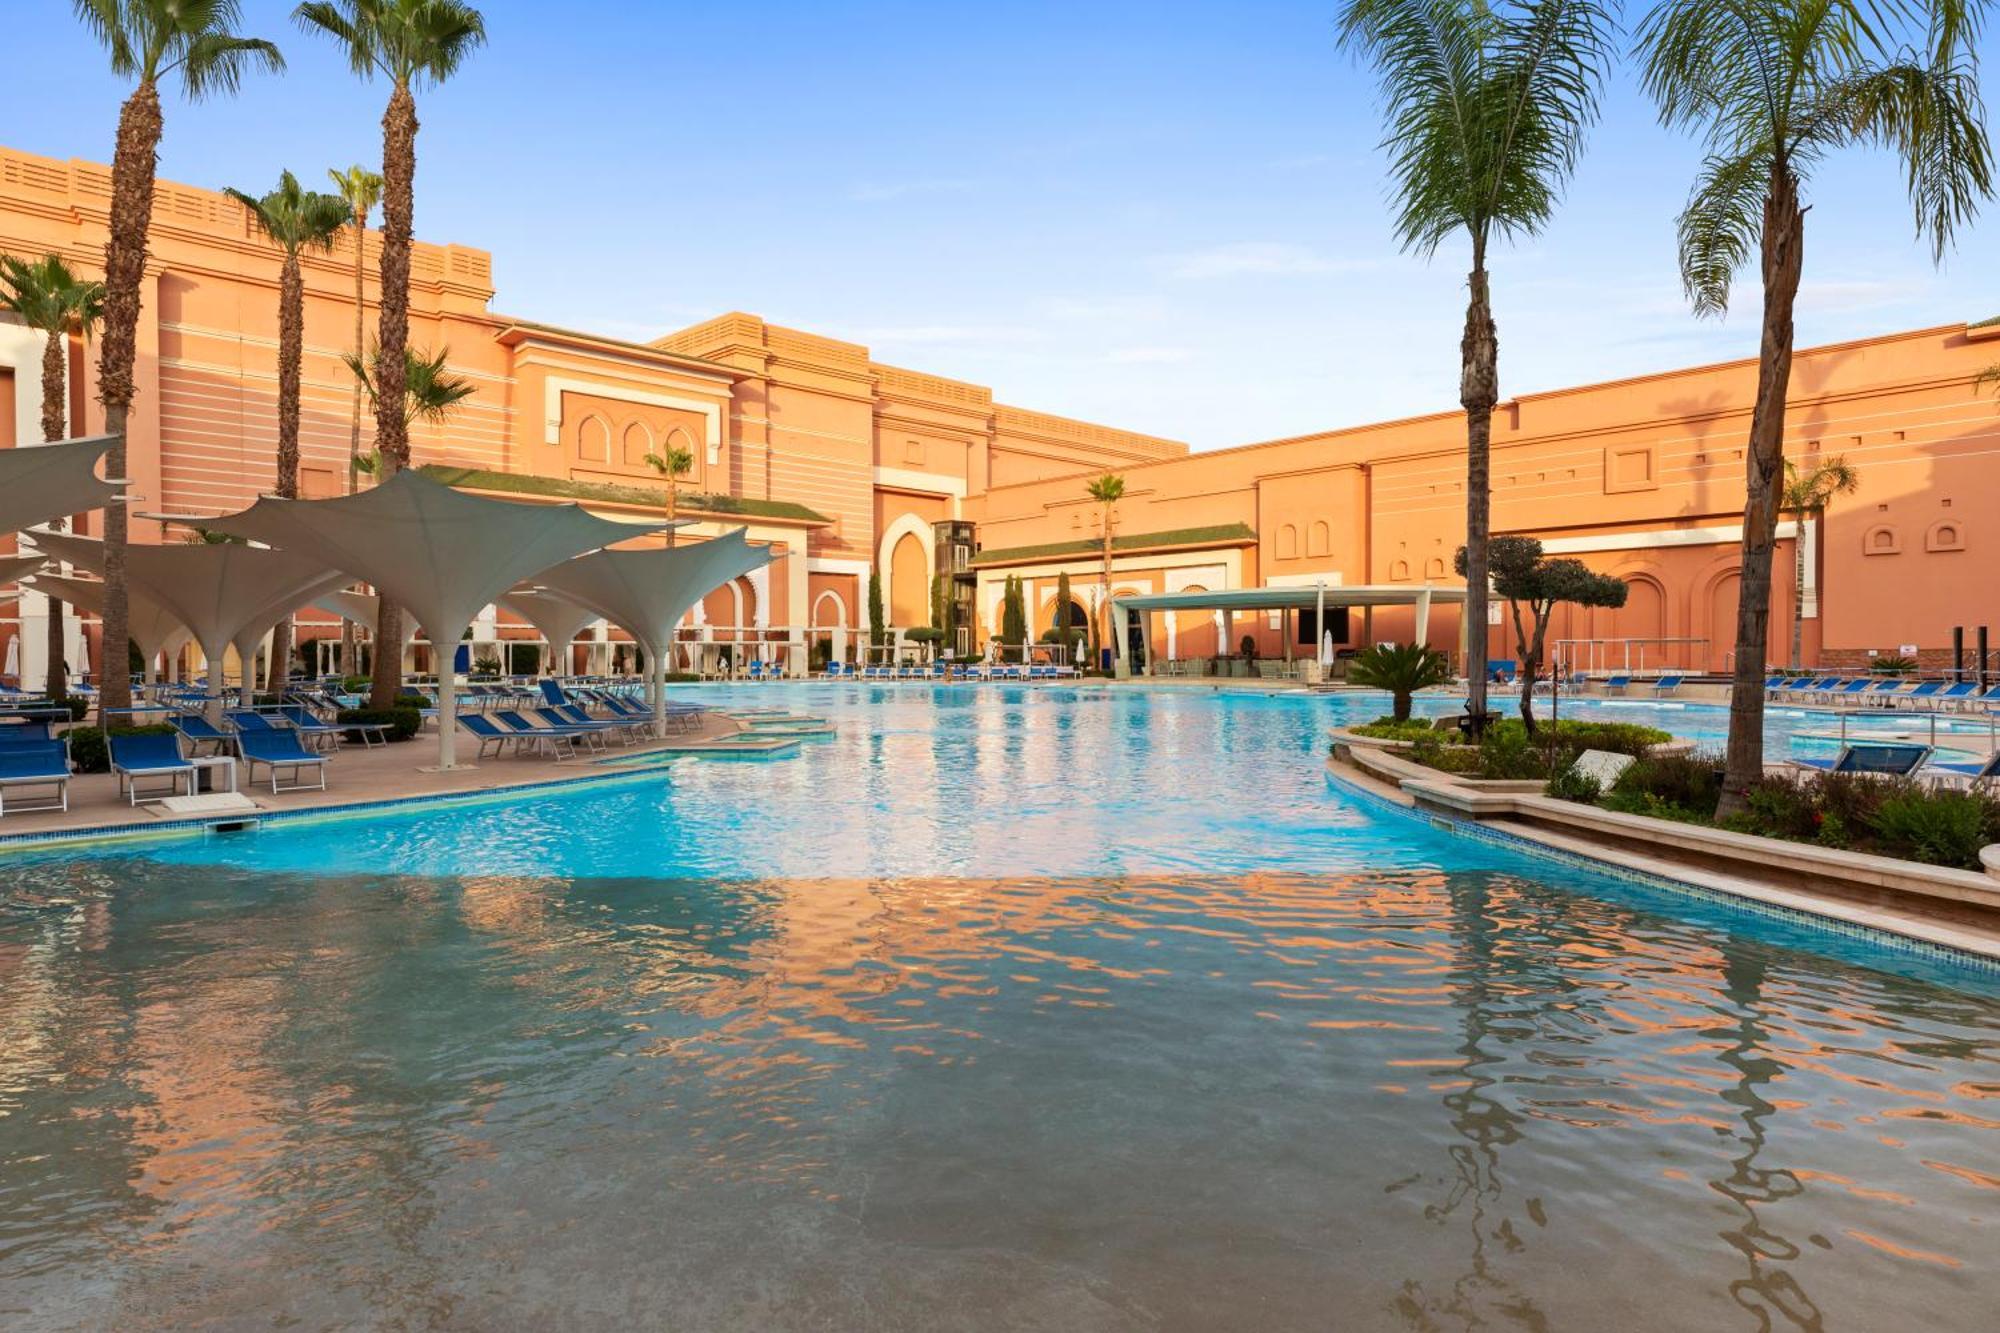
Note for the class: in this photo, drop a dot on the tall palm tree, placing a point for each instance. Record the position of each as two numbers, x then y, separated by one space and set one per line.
407 42
1486 105
1807 494
431 392
1774 87
296 220
362 189
149 41
1107 490
54 302
674 464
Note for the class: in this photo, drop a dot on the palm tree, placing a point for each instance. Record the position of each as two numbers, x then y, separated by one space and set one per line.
147 40
1774 87
431 392
295 220
408 42
1486 106
673 465
1807 494
362 189
54 302
1107 490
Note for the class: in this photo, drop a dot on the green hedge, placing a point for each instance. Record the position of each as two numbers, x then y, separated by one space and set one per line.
88 752
403 723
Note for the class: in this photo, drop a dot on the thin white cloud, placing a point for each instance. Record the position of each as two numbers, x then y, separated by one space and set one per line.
1260 259
875 192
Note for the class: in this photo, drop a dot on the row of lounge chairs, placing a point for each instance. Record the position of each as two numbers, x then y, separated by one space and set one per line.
1663 687
31 758
1883 692
939 671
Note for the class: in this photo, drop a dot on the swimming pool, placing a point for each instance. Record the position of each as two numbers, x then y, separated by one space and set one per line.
1053 1007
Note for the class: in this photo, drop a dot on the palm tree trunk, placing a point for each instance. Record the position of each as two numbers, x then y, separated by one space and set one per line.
133 163
1478 390
1784 254
354 416
1798 588
54 392
291 353
392 427
1104 598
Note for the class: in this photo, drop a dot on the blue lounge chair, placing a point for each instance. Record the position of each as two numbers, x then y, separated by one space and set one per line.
1854 686
560 741
552 693
609 726
138 757
1924 689
1616 684
318 732
279 749
1957 694
1891 761
493 738
43 763
198 731
1667 686
1969 771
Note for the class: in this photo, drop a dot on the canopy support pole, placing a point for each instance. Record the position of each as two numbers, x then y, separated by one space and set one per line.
448 714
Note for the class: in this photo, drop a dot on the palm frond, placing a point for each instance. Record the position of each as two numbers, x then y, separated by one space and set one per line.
1720 226
215 62
295 218
105 20
408 41
1931 116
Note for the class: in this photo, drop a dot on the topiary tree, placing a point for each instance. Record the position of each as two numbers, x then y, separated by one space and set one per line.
1013 613
878 631
1401 669
1525 578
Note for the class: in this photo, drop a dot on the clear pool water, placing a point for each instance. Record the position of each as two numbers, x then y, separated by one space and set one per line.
1022 1008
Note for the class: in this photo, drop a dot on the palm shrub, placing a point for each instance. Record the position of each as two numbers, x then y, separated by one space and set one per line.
1486 103
1402 670
1774 88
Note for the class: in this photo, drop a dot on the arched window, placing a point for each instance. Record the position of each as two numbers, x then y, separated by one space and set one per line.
1399 569
1319 538
1946 535
1288 541
635 444
1881 540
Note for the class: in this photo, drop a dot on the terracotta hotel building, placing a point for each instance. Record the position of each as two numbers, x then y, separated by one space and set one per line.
852 466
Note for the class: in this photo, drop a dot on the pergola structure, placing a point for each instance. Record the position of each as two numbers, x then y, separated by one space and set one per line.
647 593
1288 601
440 553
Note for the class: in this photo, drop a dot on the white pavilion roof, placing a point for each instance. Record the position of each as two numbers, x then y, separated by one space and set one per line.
153 626
41 482
647 592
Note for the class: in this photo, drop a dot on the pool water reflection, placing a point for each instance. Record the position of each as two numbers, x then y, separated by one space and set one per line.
1420 1083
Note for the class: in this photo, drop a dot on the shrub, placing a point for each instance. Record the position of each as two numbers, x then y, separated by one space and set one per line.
1573 785
1432 752
89 752
403 723
1507 753
1689 785
1389 729
79 706
924 634
1893 664
1945 828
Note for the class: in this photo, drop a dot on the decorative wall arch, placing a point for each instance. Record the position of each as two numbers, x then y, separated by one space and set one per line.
1287 541
908 525
593 439
1947 534
819 617
634 443
1881 539
1319 538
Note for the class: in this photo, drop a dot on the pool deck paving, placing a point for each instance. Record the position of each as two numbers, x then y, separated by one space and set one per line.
362 775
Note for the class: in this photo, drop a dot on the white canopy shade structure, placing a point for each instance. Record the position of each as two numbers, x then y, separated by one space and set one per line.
14 568
440 553
225 592
41 482
363 609
559 619
153 627
648 592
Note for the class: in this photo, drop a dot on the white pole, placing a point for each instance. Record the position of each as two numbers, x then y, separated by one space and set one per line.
656 686
448 710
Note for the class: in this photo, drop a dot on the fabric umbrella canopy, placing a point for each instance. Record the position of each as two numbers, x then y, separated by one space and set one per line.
648 592
363 609
558 618
439 552
153 627
14 568
40 482
224 592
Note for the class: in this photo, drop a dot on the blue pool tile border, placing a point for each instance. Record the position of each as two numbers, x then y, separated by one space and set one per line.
1729 902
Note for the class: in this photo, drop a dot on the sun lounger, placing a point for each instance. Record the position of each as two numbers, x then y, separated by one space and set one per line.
1924 690
1666 686
1894 761
493 738
134 758
1617 684
1956 695
280 749
42 763
317 732
559 740
1968 771
199 732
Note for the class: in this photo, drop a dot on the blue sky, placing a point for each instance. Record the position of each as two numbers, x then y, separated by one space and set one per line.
1164 217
